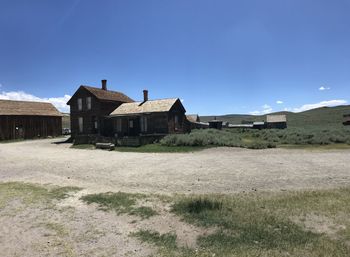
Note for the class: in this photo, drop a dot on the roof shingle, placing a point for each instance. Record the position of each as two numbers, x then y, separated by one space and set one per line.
10 107
162 105
108 95
276 118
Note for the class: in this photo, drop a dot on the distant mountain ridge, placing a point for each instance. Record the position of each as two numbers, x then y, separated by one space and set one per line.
323 116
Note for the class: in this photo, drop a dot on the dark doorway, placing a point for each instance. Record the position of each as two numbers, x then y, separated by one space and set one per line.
134 126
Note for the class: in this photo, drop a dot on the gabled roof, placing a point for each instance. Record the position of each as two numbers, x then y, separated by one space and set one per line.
105 95
276 118
162 105
10 107
193 117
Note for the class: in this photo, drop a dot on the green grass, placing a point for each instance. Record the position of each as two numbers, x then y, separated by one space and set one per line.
83 146
261 139
157 148
121 203
262 225
166 241
32 193
265 224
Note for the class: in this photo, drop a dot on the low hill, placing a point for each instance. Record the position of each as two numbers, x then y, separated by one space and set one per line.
324 116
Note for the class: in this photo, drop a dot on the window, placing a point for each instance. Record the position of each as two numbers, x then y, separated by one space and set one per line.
81 124
119 125
176 121
94 122
88 103
131 123
80 104
143 124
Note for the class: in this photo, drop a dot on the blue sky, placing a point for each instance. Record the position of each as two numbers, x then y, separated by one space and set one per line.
218 56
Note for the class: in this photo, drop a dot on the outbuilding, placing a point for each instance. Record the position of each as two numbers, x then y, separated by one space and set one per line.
27 120
276 121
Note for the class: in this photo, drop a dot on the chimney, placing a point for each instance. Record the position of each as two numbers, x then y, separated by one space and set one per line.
104 84
145 95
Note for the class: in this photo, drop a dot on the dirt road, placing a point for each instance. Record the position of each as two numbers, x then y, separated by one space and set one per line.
218 170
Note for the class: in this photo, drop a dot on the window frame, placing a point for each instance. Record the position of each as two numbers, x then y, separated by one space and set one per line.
144 124
88 102
80 104
81 124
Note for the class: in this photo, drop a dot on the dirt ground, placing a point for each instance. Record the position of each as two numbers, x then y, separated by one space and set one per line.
216 170
72 228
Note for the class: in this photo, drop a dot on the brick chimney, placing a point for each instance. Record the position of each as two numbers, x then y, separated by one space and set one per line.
145 95
104 84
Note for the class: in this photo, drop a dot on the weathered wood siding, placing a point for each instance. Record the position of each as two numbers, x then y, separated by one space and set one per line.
27 127
157 123
99 109
276 125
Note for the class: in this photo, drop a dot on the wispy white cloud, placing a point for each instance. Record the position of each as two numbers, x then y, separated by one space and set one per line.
329 103
322 88
279 102
265 109
58 102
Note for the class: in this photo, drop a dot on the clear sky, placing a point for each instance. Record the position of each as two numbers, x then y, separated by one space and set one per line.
218 56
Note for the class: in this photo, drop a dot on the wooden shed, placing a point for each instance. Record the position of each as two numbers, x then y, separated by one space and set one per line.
26 120
276 121
215 124
149 117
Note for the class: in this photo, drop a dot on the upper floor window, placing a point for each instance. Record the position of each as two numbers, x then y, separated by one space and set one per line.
80 104
88 103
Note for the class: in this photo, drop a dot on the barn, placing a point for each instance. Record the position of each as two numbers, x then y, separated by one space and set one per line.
149 117
27 120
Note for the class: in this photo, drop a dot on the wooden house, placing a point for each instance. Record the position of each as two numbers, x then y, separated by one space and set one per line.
90 105
193 118
195 122
27 120
149 117
276 121
215 124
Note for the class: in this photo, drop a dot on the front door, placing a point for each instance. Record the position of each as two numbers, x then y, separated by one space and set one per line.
133 126
19 132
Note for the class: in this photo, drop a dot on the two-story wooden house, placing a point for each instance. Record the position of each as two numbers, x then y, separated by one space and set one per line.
89 106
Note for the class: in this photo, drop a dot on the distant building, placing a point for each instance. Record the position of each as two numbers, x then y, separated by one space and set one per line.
195 122
259 125
215 124
276 121
27 120
193 118
346 119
